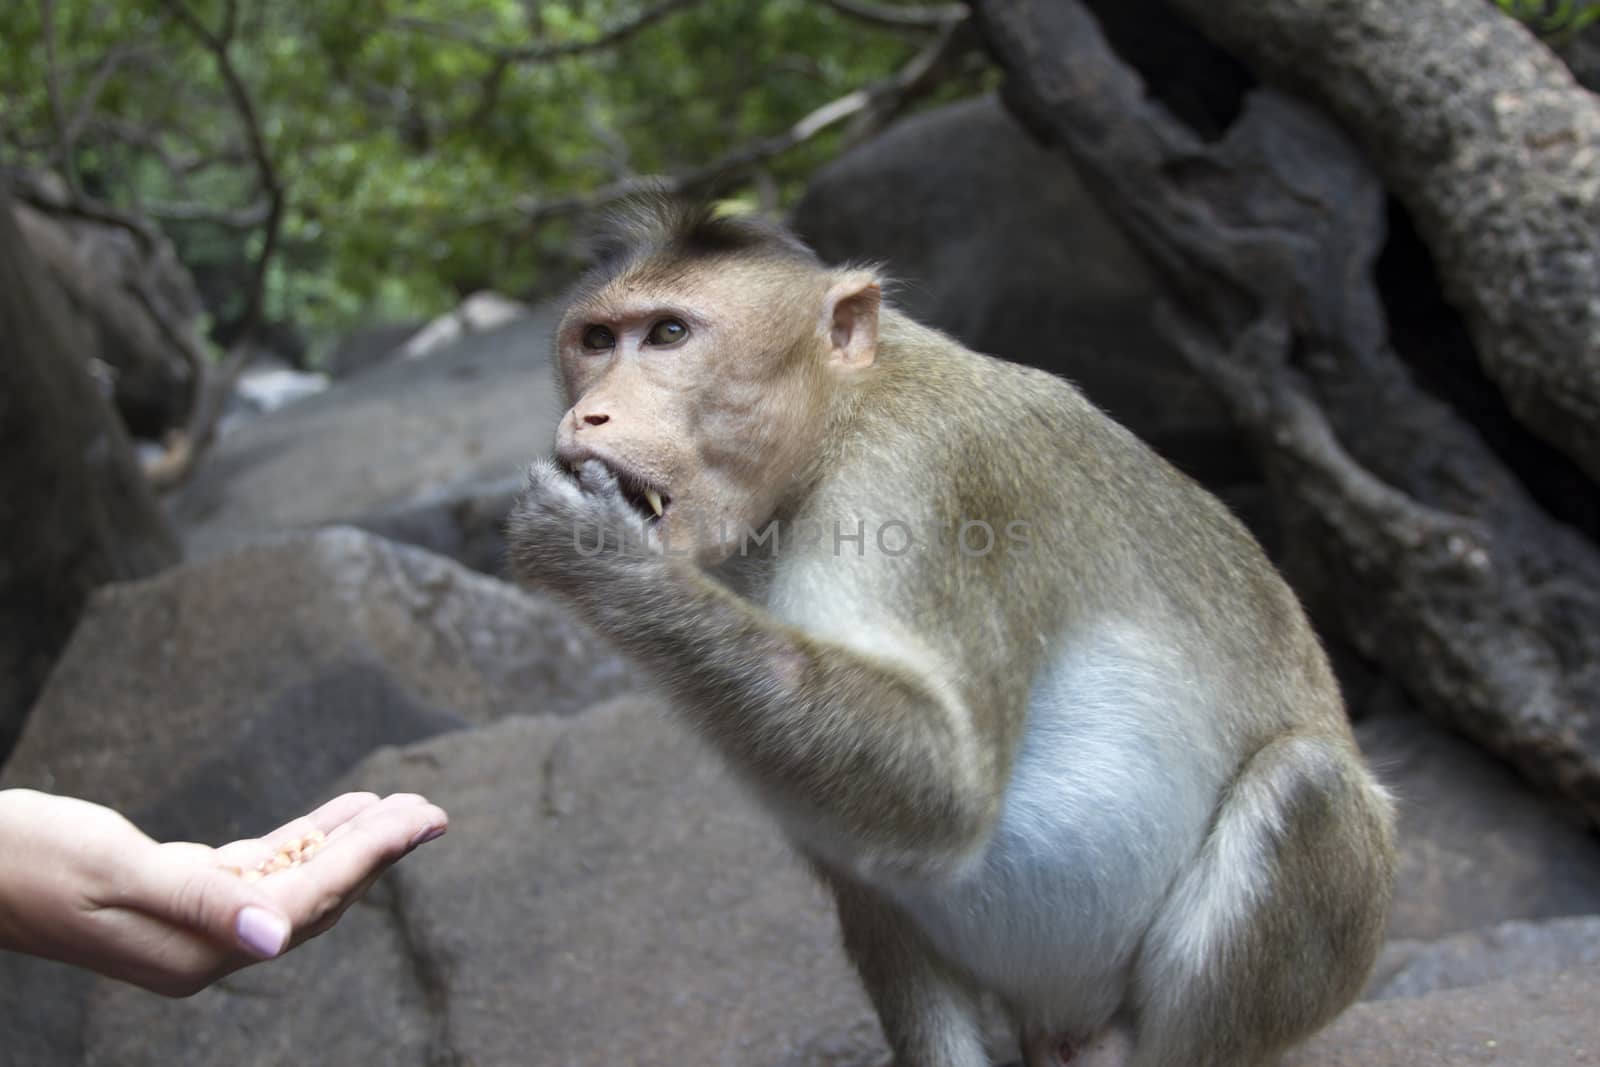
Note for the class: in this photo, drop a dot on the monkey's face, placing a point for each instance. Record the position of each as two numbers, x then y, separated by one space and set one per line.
701 391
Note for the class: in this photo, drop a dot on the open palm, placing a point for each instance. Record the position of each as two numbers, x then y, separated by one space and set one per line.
84 885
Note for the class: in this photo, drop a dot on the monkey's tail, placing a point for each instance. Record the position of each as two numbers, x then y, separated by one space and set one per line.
1274 927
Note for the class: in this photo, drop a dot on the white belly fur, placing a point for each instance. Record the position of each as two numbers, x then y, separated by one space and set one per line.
1109 797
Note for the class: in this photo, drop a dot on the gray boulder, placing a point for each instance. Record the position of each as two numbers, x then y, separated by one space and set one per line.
396 436
606 895
100 267
464 521
1512 949
1533 1021
368 347
1476 846
478 313
216 699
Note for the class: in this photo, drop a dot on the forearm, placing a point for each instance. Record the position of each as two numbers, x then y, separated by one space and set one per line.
16 869
49 872
861 742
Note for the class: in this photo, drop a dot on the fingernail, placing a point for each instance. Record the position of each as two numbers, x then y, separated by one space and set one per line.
426 835
262 932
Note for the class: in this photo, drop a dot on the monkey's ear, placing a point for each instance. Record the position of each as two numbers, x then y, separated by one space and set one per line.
850 315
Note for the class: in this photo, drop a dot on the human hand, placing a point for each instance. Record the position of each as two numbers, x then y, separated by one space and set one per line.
81 884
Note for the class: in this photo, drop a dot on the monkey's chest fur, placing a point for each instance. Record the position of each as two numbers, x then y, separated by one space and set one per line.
1105 805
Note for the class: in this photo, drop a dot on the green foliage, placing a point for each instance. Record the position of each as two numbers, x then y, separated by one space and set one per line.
405 156
1556 21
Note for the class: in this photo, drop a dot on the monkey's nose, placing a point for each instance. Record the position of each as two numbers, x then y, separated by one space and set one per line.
597 420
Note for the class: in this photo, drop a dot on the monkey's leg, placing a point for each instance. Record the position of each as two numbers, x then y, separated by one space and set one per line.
1273 929
930 1017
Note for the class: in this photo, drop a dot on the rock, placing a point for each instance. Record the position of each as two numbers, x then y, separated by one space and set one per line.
1476 847
267 385
219 698
98 267
606 895
994 240
368 347
1512 949
403 432
478 313
464 522
77 511
43 1007
354 996
1533 1021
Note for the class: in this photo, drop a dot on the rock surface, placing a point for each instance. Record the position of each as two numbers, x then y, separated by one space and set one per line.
605 895
464 521
1481 957
107 275
367 347
207 702
479 313
473 411
1535 1021
1476 847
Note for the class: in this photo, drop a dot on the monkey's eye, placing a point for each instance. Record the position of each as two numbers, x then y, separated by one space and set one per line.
667 332
598 337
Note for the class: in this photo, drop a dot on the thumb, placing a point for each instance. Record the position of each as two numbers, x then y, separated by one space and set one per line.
214 903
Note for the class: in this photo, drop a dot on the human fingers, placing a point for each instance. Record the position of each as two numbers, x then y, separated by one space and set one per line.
317 892
251 852
182 884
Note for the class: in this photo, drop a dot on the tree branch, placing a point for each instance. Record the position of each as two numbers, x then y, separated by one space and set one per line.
147 140
61 153
901 18
108 65
534 53
916 78
1484 135
266 172
29 189
245 218
186 447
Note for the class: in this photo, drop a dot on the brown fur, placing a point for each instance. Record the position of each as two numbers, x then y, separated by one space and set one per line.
886 744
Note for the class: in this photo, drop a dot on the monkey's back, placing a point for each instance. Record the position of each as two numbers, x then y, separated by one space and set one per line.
981 438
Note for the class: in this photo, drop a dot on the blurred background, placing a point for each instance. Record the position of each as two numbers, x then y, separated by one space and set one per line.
276 288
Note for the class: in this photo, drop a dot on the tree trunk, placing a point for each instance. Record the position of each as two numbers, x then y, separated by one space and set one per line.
76 512
1492 145
1411 535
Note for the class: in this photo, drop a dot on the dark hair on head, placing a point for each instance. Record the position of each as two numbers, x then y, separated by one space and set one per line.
657 223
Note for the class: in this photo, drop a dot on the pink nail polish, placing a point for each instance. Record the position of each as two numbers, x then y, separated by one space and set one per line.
261 932
426 835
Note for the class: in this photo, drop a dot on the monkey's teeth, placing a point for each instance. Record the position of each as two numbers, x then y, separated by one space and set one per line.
654 499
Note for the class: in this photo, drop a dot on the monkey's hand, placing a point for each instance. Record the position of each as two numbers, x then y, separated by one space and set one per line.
574 535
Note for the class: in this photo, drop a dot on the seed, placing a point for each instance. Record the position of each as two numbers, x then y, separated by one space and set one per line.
291 853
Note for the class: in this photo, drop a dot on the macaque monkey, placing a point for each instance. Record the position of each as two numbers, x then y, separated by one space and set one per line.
1034 704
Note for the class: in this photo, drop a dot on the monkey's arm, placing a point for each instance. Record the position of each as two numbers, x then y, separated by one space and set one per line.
887 763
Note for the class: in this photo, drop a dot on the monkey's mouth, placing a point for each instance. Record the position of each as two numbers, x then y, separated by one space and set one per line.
649 501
